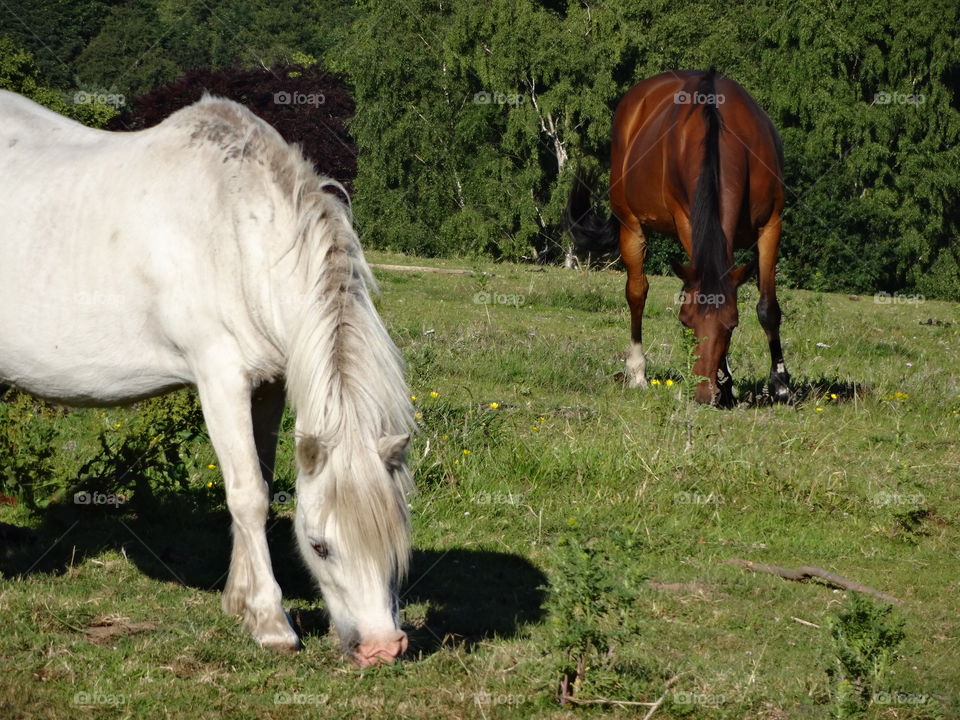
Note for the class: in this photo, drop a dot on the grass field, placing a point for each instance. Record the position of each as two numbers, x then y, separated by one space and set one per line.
565 526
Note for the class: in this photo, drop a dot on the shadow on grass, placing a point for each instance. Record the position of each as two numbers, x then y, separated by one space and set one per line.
470 595
754 392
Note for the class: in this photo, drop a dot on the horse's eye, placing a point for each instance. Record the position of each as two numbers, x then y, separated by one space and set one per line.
321 550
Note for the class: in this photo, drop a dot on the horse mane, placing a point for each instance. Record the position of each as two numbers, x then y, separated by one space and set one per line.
344 374
711 257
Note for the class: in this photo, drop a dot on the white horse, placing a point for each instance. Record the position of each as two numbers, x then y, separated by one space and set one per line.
206 251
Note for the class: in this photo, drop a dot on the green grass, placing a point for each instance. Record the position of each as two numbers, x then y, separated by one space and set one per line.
575 518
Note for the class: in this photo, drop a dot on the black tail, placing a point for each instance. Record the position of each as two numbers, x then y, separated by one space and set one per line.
710 256
590 231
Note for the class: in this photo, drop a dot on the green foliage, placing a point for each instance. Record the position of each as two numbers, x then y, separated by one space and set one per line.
867 638
27 431
153 452
142 45
591 603
147 457
19 73
864 96
471 117
466 133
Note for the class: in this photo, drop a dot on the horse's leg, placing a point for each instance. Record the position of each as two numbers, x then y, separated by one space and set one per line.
266 410
225 394
768 309
633 250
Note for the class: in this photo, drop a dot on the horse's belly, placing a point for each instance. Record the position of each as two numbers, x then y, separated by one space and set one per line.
76 370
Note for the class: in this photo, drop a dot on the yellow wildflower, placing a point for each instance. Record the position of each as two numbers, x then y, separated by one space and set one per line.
434 394
211 466
654 382
494 405
668 382
466 452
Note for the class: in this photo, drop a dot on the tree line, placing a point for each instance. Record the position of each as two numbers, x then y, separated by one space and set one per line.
470 118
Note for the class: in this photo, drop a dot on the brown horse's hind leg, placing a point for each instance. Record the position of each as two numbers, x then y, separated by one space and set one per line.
633 250
768 309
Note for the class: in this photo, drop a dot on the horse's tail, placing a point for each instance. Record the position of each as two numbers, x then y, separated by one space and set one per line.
710 255
591 232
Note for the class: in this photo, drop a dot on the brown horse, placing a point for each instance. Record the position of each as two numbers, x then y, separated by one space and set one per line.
695 157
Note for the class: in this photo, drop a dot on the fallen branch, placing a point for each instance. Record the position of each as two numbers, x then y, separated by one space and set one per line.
808 572
623 703
422 268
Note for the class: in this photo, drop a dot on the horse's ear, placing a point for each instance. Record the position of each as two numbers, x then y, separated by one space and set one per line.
684 272
311 454
393 450
741 274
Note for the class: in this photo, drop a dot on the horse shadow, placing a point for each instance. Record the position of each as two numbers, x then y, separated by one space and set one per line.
459 596
755 392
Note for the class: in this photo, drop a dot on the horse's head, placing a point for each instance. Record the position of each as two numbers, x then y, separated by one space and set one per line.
711 316
353 531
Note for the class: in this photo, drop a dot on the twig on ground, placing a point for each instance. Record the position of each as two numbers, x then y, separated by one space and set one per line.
808 572
564 699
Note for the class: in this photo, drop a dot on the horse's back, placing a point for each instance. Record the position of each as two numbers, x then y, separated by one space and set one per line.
119 250
658 133
24 122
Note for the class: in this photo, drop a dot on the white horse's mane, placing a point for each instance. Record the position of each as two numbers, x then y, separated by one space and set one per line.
344 374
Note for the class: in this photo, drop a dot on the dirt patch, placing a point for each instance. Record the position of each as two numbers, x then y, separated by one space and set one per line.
108 629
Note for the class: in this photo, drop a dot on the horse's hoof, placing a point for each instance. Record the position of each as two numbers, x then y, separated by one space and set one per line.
283 646
781 394
287 641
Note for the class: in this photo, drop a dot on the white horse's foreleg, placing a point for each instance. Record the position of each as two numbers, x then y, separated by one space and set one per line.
251 591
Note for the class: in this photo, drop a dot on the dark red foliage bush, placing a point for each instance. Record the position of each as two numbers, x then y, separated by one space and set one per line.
307 105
